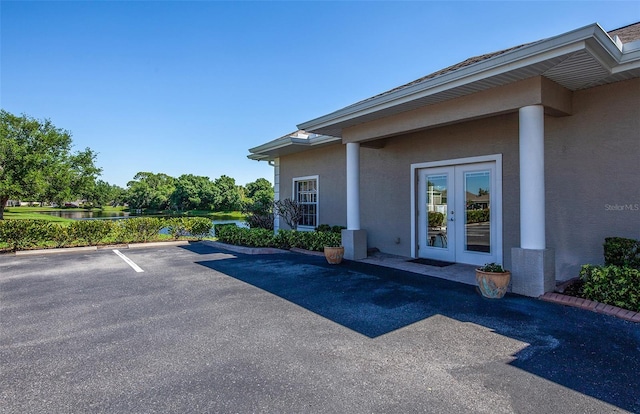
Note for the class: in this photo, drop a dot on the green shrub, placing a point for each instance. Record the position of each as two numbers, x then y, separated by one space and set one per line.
308 240
138 229
90 231
199 227
285 239
20 234
227 233
323 227
241 236
217 227
613 285
436 219
177 227
619 251
478 216
60 235
327 228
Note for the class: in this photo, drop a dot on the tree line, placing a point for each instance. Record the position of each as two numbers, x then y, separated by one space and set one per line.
192 192
37 164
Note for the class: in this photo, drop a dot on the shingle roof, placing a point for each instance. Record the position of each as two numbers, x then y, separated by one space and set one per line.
626 34
451 68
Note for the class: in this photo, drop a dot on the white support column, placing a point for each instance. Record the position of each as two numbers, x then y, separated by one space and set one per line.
353 186
276 194
533 265
354 239
532 199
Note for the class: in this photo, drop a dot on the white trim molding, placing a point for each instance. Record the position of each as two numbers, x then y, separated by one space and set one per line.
294 196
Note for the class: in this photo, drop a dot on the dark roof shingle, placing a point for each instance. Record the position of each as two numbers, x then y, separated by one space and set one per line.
626 34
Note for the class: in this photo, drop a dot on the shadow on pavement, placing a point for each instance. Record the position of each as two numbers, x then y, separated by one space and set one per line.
591 353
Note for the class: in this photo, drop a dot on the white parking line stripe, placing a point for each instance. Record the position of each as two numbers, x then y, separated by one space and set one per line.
129 261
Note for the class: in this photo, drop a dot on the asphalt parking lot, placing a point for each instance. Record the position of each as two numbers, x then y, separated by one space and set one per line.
199 330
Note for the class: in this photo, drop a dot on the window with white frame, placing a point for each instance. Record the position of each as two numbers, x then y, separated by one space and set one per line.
305 191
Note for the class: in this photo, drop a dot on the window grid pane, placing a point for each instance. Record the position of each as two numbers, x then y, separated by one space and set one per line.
307 197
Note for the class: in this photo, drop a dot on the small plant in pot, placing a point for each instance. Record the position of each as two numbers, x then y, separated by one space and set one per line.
333 249
492 280
334 254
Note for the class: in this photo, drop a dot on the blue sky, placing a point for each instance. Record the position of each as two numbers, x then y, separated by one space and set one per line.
189 87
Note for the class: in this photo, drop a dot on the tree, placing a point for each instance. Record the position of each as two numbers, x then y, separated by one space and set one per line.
103 193
149 190
257 185
260 191
36 162
74 177
290 211
83 173
258 204
229 198
194 192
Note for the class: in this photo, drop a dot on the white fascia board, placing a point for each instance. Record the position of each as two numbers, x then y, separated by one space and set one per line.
526 55
630 57
258 157
271 145
267 151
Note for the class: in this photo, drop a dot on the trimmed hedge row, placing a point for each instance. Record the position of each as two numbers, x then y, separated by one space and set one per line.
284 239
613 285
616 283
619 251
478 216
24 234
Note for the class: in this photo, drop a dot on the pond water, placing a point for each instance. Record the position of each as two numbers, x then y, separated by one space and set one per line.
114 215
83 215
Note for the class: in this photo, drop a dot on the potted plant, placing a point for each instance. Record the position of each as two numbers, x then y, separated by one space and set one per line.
334 254
492 280
330 238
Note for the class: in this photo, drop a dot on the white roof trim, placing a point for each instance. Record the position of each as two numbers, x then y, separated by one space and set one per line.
296 142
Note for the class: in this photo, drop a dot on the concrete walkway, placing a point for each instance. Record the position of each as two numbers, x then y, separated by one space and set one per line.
457 272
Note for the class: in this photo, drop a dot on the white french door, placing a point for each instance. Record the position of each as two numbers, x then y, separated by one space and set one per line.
459 213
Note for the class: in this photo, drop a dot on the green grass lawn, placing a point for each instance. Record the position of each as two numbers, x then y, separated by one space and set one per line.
31 213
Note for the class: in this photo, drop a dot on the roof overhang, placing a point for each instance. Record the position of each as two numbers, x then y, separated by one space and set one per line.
290 144
579 59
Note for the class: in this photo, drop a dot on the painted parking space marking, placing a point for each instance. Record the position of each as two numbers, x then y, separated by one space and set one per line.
129 261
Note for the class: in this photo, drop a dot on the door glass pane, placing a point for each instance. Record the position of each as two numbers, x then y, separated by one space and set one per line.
477 187
437 210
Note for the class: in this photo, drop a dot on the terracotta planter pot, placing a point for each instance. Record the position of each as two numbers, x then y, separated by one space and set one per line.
493 285
334 254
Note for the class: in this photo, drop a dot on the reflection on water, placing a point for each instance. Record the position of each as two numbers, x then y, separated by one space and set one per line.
114 215
84 215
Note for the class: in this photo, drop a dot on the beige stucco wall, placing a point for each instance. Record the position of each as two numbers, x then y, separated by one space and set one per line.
386 176
329 164
592 165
